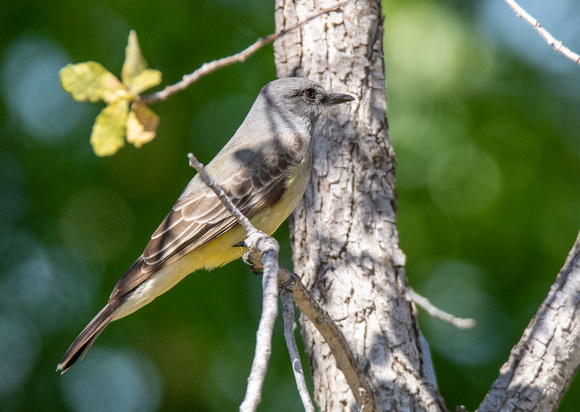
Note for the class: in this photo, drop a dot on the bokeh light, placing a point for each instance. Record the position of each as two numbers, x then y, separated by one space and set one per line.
113 380
49 286
19 346
460 288
30 85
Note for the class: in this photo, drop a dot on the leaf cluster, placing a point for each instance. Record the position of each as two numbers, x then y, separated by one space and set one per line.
125 118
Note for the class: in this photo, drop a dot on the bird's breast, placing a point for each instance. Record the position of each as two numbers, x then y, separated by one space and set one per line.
270 218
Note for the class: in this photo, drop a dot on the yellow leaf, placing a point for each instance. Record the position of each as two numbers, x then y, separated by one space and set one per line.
108 134
147 79
135 74
90 81
141 124
134 63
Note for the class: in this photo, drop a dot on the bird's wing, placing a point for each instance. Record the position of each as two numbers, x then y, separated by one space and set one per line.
199 217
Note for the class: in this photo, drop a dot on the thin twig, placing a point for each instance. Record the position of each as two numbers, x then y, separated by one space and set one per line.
556 44
431 309
353 374
214 65
289 326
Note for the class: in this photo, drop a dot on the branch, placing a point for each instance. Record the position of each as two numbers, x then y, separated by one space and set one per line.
265 329
543 363
431 309
289 326
268 249
354 376
556 44
207 68
263 250
434 311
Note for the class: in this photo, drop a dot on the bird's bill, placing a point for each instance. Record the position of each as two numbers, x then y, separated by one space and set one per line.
337 98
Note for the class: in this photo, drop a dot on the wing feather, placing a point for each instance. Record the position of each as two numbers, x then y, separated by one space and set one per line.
258 180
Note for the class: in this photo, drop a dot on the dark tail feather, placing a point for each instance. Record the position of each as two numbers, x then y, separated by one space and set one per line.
87 337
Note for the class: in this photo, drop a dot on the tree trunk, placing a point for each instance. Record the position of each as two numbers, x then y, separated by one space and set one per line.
344 236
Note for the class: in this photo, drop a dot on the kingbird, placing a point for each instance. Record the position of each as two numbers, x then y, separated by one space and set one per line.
263 169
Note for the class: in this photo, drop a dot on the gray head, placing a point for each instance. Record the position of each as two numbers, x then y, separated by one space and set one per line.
290 103
304 98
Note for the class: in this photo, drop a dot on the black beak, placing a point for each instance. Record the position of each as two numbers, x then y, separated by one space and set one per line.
337 98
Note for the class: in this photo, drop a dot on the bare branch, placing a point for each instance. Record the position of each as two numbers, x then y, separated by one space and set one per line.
289 326
543 363
556 44
214 65
431 309
354 376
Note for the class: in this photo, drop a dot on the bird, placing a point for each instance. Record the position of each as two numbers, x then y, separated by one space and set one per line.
263 169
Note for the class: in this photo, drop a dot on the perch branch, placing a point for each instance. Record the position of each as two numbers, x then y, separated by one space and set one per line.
265 329
268 249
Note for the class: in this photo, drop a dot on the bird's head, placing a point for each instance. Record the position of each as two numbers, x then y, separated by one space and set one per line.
301 97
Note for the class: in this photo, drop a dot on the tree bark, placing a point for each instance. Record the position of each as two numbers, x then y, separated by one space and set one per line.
344 236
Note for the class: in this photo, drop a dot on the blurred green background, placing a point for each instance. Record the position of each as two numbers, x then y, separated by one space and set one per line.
484 118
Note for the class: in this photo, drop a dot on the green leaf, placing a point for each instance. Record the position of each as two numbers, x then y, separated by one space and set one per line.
142 124
108 134
90 81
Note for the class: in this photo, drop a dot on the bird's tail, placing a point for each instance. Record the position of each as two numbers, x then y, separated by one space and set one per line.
87 337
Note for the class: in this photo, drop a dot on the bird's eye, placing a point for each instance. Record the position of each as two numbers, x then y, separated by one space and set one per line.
310 94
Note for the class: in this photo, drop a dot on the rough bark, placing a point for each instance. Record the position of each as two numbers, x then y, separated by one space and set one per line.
543 363
344 235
